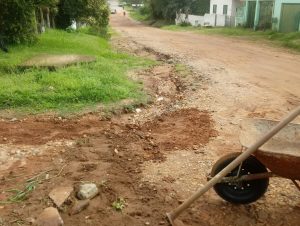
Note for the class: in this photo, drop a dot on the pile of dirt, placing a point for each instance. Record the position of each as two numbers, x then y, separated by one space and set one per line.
112 158
40 130
181 129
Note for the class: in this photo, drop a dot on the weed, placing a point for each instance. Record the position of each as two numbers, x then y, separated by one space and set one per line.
30 186
182 70
119 204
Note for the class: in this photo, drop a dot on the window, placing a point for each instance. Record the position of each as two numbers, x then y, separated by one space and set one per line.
214 9
225 9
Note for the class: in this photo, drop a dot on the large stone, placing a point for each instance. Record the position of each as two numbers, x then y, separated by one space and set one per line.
87 191
49 217
60 194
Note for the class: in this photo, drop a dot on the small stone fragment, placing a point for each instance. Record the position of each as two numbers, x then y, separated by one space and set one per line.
30 220
87 191
60 194
160 99
49 217
79 206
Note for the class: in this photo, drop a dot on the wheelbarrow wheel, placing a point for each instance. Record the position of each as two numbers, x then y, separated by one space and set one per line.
242 192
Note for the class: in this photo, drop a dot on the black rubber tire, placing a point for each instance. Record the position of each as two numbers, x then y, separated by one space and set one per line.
247 191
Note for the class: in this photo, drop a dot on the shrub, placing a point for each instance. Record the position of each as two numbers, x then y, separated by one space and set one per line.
94 13
17 21
185 24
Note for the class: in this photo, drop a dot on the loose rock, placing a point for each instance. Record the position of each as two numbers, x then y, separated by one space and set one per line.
30 220
79 206
60 194
87 191
49 217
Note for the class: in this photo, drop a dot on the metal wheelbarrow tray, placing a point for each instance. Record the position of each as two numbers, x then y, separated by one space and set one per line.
281 154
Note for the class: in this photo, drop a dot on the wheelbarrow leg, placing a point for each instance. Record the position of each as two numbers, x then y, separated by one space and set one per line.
176 212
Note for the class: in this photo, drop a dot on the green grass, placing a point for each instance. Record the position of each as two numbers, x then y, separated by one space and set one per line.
182 70
72 88
136 14
145 18
290 40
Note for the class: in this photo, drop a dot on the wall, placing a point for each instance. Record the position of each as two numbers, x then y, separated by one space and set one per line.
233 5
277 11
220 3
194 20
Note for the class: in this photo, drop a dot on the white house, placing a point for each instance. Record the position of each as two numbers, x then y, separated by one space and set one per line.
224 11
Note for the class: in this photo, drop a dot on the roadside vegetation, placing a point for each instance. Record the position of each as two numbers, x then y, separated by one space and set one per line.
29 29
163 12
140 15
71 88
152 13
289 40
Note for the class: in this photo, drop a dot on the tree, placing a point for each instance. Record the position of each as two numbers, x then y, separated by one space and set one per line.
46 8
20 20
17 21
92 12
167 9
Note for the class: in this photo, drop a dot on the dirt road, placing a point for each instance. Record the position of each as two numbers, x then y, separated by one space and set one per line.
238 79
157 155
225 60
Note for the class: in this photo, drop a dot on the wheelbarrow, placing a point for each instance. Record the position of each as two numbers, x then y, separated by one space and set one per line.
270 149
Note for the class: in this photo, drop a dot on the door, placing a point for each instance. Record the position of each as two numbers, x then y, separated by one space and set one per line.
265 14
290 17
251 14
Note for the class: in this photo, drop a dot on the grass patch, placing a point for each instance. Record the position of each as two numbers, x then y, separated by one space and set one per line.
136 14
290 40
71 88
182 70
141 15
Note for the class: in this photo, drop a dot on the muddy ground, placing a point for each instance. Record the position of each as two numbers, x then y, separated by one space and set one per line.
157 155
